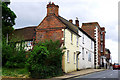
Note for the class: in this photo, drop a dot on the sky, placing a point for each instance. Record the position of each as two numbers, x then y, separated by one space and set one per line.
105 12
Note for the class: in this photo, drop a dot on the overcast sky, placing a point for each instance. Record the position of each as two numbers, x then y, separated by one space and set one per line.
105 12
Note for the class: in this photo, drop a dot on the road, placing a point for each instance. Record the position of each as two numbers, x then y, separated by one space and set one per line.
103 75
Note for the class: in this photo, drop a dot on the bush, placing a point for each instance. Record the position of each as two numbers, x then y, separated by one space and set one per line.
45 60
12 57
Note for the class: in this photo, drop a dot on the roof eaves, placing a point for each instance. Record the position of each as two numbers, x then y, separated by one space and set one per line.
67 25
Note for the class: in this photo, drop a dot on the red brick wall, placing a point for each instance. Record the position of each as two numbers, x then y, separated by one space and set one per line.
103 32
89 28
52 9
50 29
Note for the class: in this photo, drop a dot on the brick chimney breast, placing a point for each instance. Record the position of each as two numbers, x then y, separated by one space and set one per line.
52 9
77 22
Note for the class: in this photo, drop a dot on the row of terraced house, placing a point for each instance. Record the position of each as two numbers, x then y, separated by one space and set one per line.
85 45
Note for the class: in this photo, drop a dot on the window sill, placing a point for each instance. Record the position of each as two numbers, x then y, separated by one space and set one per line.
68 61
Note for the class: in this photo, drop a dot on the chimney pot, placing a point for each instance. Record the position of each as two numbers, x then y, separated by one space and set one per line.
71 20
52 9
52 2
77 22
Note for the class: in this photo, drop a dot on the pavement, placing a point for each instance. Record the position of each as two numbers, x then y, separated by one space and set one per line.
65 76
75 74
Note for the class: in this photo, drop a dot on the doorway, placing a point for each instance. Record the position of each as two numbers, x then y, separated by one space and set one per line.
77 60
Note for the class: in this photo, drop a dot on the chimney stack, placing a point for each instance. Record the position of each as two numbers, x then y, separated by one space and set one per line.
77 22
71 20
52 9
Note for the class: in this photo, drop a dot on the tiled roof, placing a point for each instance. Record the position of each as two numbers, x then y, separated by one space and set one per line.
72 27
69 25
26 33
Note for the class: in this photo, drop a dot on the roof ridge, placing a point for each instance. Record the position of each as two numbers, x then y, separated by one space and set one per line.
68 21
26 27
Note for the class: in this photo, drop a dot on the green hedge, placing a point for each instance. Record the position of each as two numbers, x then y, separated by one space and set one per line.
45 60
12 57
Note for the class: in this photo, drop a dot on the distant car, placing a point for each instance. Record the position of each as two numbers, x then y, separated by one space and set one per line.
116 66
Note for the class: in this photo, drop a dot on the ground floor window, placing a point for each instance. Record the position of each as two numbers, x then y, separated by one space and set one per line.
74 57
89 57
67 55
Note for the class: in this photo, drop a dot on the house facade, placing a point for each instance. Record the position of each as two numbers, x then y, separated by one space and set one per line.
25 35
98 33
54 27
85 46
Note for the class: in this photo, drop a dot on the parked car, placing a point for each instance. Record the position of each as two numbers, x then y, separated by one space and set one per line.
116 66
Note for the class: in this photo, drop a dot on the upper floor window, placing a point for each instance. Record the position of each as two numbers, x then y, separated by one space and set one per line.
83 39
101 36
91 44
77 40
71 37
101 47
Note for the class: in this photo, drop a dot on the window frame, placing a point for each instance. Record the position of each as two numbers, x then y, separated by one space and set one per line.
68 56
74 58
71 38
77 41
83 39
83 54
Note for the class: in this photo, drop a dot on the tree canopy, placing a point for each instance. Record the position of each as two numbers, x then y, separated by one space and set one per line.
8 19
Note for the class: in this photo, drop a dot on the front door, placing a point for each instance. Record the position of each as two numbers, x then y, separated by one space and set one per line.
77 60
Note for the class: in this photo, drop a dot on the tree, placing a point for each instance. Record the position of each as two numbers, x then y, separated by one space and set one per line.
8 19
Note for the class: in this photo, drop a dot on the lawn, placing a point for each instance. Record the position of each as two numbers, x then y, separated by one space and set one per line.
18 73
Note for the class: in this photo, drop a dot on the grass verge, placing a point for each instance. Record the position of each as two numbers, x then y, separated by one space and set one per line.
18 73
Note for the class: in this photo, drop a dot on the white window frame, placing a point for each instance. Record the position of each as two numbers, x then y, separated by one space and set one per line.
77 41
89 56
71 38
83 53
83 39
91 44
68 55
74 58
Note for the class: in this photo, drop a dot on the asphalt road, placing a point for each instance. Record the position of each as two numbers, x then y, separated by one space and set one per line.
103 75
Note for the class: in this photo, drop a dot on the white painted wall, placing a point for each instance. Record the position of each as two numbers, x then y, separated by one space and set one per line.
73 48
88 49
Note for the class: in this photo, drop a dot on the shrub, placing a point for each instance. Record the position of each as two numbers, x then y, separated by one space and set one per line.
12 57
45 60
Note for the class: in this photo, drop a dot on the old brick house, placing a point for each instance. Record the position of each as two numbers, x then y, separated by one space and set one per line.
98 33
80 46
25 35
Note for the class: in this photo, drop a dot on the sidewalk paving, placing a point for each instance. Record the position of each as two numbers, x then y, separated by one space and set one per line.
75 74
